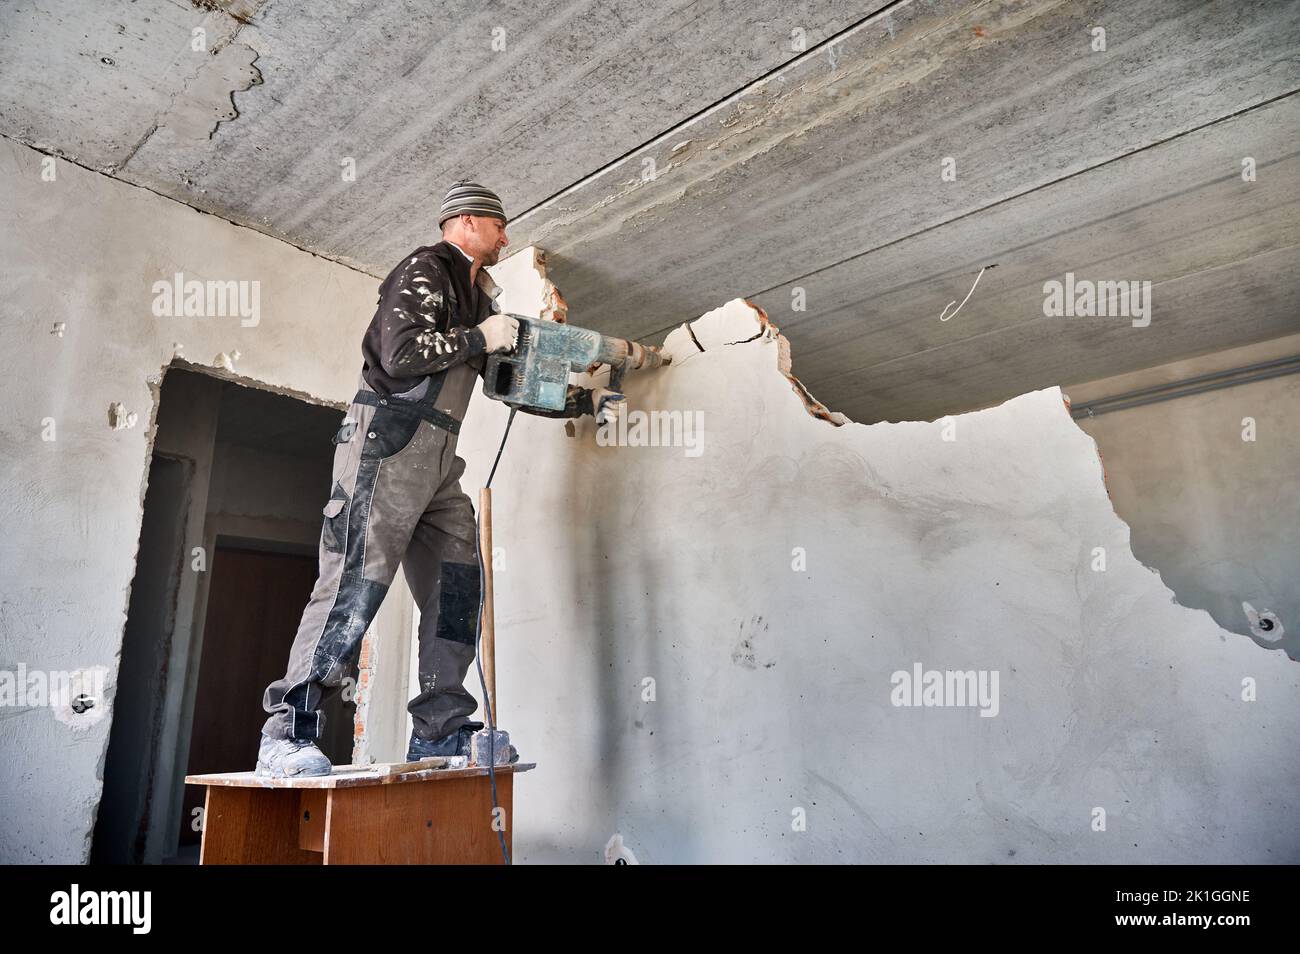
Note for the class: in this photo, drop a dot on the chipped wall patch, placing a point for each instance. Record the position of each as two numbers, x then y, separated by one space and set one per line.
77 698
119 419
617 853
81 701
1265 624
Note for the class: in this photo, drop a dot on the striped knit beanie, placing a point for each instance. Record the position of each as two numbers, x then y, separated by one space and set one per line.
470 198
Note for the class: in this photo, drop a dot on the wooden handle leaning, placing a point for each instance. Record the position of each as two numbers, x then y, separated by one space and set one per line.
489 631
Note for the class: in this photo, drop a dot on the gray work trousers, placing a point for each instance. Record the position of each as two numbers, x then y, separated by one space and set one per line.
396 499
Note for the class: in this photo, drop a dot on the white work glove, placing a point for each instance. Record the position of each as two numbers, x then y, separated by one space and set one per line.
500 332
607 405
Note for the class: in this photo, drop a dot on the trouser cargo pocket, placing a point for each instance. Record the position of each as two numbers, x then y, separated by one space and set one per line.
336 520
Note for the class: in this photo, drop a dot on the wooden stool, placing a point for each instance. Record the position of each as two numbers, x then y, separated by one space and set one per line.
358 815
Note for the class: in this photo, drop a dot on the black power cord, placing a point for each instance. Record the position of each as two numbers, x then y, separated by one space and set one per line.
478 645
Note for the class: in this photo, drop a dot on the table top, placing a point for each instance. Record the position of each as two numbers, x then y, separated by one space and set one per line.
353 776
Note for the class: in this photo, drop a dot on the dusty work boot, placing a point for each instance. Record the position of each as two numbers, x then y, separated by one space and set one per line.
290 758
453 743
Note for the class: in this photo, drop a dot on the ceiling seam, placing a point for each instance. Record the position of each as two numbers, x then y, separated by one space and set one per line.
739 91
162 195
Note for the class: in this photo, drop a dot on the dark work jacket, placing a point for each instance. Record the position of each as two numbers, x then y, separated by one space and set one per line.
426 323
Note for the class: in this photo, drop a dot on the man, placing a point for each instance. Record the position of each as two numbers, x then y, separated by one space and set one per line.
396 493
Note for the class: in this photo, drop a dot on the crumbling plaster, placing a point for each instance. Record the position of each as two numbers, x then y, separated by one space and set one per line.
698 650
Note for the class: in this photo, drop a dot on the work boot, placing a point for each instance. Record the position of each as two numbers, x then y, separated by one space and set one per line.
290 758
453 743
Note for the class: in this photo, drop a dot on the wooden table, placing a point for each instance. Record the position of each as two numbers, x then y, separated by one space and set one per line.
357 815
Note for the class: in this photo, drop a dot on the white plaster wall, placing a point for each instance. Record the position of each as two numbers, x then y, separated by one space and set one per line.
85 250
773 685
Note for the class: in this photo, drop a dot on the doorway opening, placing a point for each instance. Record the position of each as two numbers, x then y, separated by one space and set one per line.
227 560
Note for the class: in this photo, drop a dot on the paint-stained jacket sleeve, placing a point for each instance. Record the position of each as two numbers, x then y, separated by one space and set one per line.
415 337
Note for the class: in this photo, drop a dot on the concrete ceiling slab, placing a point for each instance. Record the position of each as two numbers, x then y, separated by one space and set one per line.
526 96
1177 215
670 158
91 80
818 167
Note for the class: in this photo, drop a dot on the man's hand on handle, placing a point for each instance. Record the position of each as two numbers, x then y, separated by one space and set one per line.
607 405
500 332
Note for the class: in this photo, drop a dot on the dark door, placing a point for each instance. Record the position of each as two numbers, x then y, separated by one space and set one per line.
255 601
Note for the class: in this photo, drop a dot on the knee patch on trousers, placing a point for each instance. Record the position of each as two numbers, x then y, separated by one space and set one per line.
458 603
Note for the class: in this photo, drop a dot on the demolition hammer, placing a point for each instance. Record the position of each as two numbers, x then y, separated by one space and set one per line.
536 372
